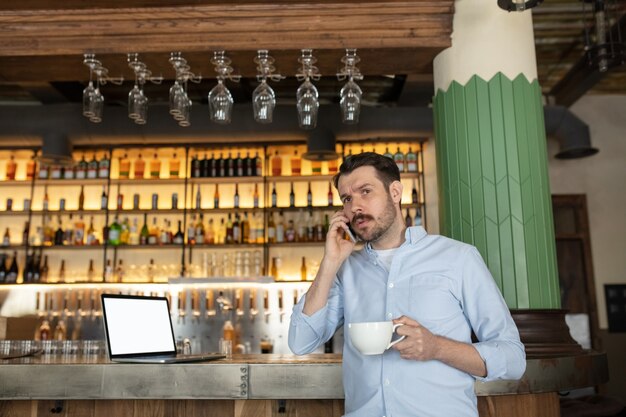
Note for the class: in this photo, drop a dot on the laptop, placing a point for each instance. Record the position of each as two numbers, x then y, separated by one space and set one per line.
139 330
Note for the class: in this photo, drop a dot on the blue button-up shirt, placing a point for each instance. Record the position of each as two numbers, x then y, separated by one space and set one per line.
445 286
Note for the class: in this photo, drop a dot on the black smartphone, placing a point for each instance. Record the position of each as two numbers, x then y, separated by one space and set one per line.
351 234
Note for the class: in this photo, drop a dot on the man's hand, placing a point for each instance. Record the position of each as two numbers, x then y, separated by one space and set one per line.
420 344
337 249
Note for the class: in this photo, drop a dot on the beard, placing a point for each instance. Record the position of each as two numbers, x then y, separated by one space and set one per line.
381 224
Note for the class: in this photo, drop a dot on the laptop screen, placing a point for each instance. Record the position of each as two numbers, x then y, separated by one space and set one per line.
137 325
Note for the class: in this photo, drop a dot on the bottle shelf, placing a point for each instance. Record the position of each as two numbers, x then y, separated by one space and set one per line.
74 181
14 213
67 247
227 180
16 183
148 181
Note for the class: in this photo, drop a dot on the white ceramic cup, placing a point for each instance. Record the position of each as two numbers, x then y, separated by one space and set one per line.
373 338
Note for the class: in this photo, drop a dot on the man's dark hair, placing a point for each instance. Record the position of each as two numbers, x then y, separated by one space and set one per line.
386 169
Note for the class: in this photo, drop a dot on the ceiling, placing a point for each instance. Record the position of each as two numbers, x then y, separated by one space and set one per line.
41 49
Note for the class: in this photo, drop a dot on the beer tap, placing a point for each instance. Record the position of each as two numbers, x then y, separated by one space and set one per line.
209 304
195 304
295 297
280 305
96 304
54 304
266 305
66 305
238 301
41 312
224 303
169 302
79 304
182 305
253 309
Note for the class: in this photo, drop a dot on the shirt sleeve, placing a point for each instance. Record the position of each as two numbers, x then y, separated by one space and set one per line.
307 333
499 343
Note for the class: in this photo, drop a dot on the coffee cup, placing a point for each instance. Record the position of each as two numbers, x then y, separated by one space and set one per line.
373 338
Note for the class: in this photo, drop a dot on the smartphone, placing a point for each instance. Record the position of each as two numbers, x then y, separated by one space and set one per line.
351 234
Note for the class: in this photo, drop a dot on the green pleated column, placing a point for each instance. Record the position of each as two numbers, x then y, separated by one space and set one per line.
493 183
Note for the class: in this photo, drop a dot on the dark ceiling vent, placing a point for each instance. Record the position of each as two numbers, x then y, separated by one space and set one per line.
571 132
321 145
56 149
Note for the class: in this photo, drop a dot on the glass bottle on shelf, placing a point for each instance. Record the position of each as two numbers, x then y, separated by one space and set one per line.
124 170
303 271
310 227
3 268
408 219
309 197
229 230
103 198
91 272
6 239
58 234
104 166
68 233
220 164
292 197
61 277
144 235
43 274
44 171
91 234
274 271
69 172
46 199
330 195
55 172
174 166
414 194
290 231
387 153
79 231
236 197
212 168
418 216
271 229
81 198
125 232
316 167
120 201
411 161
133 233
114 233
333 166
11 274
153 237
398 158
216 197
25 233
258 164
155 167
296 163
30 168
255 196
140 167
108 272
191 230
195 167
151 270
119 271
274 196
230 165
11 168
239 168
260 230
209 235
280 228
81 168
199 232
92 168
245 228
179 238
237 229
277 165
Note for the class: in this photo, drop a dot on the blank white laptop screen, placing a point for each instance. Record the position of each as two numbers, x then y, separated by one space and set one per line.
138 326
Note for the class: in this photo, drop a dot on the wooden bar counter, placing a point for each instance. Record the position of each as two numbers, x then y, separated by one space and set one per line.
247 386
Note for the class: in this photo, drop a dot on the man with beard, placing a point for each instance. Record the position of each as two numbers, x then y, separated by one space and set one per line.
439 288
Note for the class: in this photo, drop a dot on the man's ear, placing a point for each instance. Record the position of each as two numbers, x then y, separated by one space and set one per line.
395 190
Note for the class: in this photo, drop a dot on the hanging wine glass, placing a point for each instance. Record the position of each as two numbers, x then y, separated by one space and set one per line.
88 92
350 102
96 106
263 103
93 101
220 103
307 105
134 98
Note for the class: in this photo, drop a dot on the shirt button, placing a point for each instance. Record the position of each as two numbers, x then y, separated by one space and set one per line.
391 285
387 382
389 315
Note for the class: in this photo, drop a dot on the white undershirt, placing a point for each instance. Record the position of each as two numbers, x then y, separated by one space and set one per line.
385 256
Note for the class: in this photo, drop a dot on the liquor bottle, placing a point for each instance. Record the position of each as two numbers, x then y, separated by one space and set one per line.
155 167
145 233
296 164
11 276
30 168
3 268
277 165
274 269
236 198
333 166
81 168
274 196
237 229
48 232
255 196
104 166
320 234
46 199
151 270
133 233
290 232
25 233
91 272
292 197
191 231
198 199
205 168
91 234
68 233
280 228
414 194
213 166
153 237
43 171
6 239
411 161
179 237
303 272
55 172
230 165
199 232
81 198
310 228
70 172
165 233
43 275
418 216
114 233
260 229
309 197
120 201
125 232
229 230
92 168
387 153
330 195
27 272
58 235
119 272
62 271
216 197
124 170
316 167
140 166
271 229
258 165
11 168
301 231
239 168
108 272
245 228
195 167
248 166
209 235
221 166
398 158
174 167
408 219
79 231
103 198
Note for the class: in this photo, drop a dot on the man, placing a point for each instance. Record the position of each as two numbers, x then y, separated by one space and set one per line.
440 289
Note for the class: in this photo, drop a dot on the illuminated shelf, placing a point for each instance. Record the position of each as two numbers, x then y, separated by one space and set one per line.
148 181
226 180
14 213
74 182
15 183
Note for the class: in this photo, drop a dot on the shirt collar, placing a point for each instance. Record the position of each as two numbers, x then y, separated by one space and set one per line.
412 236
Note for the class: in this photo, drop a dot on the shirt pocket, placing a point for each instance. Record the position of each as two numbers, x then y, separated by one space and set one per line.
432 301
